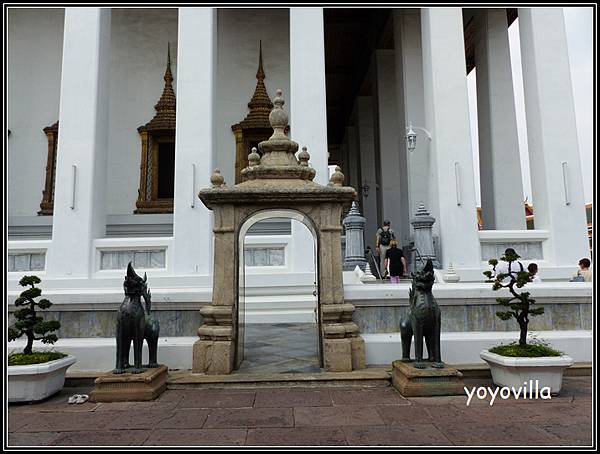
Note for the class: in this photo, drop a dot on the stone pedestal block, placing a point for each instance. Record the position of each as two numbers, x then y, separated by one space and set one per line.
357 346
213 357
413 382
130 387
337 355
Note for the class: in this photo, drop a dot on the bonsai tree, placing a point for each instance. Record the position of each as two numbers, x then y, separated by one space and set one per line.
519 304
28 323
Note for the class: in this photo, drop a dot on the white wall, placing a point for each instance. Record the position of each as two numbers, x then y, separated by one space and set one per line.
35 39
138 61
239 32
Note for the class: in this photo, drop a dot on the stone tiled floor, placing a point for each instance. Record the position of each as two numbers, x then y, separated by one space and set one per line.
376 416
280 348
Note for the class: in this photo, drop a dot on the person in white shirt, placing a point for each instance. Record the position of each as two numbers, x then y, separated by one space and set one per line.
512 268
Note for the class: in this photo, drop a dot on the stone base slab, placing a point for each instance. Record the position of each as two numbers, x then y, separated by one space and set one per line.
337 355
213 357
413 382
130 387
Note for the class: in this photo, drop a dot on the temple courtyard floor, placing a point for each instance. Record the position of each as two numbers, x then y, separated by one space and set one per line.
357 416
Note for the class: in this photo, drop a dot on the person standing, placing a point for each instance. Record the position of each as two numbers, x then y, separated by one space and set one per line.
383 238
395 262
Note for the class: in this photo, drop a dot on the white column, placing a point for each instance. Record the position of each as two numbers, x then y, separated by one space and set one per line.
447 117
391 146
192 221
79 198
308 112
499 162
409 83
556 178
366 142
352 170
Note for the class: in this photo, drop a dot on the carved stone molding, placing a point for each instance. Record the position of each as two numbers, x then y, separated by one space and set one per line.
47 203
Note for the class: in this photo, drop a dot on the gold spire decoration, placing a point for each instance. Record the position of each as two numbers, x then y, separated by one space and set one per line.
165 107
260 105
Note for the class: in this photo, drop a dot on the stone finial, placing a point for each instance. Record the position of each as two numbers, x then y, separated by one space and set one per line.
278 117
354 209
337 178
304 157
451 275
217 179
164 119
368 276
253 158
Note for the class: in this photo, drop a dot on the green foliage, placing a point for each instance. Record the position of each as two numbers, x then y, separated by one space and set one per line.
29 280
504 315
44 304
27 322
31 293
504 301
45 327
530 350
13 334
520 303
21 359
20 301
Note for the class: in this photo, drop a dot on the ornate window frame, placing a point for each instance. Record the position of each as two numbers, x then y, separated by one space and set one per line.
47 203
159 130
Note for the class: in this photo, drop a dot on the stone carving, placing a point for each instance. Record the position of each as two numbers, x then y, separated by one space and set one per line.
422 224
151 333
451 275
423 320
279 181
132 325
354 224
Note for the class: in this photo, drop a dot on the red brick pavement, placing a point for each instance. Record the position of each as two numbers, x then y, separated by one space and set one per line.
308 417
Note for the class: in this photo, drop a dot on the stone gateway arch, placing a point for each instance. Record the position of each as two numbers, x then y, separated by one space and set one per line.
276 180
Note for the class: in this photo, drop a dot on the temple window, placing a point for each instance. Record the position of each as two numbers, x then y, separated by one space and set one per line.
157 167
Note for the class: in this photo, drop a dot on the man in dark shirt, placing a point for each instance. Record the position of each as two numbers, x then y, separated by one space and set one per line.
395 262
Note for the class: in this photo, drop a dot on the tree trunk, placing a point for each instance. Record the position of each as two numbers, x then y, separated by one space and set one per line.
523 322
29 346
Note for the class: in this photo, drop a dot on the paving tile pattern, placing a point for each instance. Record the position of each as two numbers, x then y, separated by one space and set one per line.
307 417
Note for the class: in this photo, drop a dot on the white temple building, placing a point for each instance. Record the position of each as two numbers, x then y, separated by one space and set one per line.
117 118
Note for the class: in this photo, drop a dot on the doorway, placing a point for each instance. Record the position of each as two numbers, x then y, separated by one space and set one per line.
278 316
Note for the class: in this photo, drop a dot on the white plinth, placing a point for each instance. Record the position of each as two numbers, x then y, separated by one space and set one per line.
37 381
513 372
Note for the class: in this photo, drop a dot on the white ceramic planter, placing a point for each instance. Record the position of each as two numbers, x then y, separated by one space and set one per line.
37 381
511 371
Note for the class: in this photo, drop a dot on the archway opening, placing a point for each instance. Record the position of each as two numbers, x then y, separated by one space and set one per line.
278 329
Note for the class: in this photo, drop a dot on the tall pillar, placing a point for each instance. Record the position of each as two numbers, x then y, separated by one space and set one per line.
391 146
409 83
352 169
366 142
447 117
194 143
499 160
556 178
79 198
308 119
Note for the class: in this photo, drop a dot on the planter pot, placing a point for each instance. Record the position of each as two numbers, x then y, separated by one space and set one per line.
512 371
37 381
